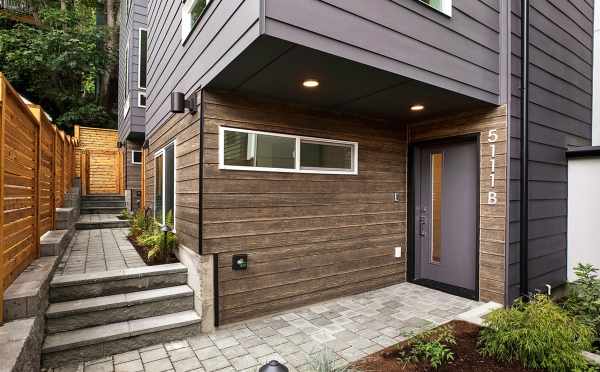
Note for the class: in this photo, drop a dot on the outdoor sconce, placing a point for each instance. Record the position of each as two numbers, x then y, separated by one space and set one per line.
273 366
119 144
146 144
179 104
239 262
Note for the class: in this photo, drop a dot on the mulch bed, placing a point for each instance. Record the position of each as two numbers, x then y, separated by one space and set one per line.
143 252
466 356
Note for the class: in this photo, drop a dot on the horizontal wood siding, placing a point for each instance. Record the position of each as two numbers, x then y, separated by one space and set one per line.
492 218
185 130
561 36
226 28
308 236
458 53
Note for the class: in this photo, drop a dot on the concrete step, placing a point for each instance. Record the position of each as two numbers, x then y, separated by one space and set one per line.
72 315
98 342
115 224
103 197
89 285
100 210
102 203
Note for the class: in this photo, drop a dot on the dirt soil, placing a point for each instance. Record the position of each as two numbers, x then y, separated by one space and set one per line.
143 252
466 356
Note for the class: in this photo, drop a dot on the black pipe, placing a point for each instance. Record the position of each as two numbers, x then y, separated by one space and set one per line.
524 185
201 174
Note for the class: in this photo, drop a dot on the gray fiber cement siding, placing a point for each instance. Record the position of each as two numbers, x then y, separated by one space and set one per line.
459 53
132 20
561 35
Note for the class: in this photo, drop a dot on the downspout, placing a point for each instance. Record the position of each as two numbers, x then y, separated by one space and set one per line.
524 185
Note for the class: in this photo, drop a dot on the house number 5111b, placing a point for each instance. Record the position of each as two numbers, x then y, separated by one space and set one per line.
492 139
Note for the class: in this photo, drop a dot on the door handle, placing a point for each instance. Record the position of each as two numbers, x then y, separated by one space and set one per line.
422 226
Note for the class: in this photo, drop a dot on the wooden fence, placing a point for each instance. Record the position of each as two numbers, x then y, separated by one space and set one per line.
36 161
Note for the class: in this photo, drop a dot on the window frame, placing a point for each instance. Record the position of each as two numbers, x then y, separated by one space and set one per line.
446 7
140 94
298 141
186 30
140 30
127 104
133 156
158 153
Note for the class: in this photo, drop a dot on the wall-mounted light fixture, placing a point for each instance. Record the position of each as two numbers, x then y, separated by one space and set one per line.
417 108
179 104
119 144
146 144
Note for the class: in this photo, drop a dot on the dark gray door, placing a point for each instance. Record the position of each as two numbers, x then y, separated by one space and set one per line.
446 209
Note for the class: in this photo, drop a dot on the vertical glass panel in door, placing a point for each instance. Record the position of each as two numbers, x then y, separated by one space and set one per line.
170 184
158 188
437 163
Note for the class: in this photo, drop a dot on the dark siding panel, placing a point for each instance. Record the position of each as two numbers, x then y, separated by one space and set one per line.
460 53
226 27
560 116
134 120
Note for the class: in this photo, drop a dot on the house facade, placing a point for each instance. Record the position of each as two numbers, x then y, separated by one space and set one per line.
317 148
132 94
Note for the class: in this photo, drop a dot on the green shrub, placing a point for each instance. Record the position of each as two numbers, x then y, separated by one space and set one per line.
146 232
538 334
432 346
583 300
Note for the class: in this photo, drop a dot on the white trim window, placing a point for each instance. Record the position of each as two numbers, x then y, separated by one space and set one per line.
136 157
444 6
241 149
142 99
127 103
192 11
165 185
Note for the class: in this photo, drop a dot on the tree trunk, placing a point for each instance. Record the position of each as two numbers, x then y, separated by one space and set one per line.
106 98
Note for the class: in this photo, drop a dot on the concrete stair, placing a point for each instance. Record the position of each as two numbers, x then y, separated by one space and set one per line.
102 204
95 315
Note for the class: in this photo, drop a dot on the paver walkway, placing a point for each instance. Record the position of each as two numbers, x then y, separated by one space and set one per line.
99 250
350 327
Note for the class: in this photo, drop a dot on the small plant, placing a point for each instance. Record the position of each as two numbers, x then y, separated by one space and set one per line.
538 334
146 232
125 215
583 300
432 346
325 361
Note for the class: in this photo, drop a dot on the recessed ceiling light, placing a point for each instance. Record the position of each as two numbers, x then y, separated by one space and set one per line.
417 108
310 83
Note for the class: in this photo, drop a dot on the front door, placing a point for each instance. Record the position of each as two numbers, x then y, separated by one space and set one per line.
446 194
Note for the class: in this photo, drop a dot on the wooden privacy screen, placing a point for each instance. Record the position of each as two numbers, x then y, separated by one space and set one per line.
102 171
36 163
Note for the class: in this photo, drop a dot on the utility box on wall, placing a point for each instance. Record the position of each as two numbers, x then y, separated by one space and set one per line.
583 244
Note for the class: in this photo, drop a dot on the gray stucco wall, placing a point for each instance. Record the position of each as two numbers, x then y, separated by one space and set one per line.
132 20
560 116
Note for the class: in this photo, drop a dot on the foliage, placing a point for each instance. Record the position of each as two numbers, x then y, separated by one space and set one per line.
538 334
583 300
146 231
325 361
431 346
58 63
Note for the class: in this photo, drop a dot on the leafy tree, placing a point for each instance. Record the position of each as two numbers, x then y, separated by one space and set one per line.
58 63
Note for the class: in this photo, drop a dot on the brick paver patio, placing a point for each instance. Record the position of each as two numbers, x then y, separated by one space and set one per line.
99 250
350 327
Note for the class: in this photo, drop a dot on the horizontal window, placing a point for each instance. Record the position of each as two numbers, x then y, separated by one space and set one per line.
141 99
241 149
444 6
